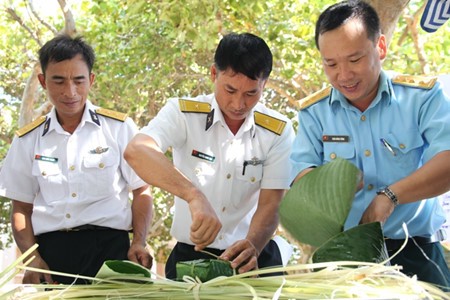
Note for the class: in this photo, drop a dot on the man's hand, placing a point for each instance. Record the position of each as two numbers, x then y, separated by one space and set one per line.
379 210
242 254
138 253
205 223
31 277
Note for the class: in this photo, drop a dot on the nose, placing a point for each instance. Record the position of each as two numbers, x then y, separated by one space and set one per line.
70 89
345 72
238 102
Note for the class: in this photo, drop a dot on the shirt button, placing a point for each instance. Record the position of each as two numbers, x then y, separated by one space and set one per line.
68 216
253 179
370 187
44 173
363 118
402 146
72 168
223 208
367 153
228 176
74 195
101 165
333 155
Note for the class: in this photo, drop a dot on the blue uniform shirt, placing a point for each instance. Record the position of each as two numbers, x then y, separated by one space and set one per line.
414 121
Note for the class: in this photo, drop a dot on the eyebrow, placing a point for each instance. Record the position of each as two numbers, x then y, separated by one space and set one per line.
59 77
228 86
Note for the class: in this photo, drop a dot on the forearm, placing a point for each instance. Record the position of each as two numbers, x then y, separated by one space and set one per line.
142 212
22 228
266 219
431 180
150 163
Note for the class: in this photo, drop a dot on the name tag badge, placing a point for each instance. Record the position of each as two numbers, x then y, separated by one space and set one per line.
46 158
335 138
203 155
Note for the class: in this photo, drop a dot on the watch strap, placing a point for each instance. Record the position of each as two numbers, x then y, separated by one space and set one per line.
390 194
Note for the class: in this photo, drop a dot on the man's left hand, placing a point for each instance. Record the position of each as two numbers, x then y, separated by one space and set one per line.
242 254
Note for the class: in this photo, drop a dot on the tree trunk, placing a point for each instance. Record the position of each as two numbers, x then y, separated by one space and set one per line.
389 11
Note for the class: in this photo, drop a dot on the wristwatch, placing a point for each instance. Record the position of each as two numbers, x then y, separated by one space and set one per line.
388 193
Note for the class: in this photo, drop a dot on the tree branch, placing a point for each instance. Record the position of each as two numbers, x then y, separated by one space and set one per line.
36 15
19 20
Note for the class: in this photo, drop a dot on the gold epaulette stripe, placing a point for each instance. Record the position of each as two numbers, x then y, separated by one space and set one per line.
31 126
424 82
314 98
111 114
270 123
194 106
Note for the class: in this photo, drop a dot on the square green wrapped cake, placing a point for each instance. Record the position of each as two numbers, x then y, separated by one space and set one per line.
204 269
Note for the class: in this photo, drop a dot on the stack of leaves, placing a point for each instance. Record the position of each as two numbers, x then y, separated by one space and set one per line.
314 211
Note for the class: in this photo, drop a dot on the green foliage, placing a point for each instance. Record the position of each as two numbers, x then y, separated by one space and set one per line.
5 229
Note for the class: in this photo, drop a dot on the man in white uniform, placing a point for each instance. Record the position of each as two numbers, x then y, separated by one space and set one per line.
230 161
67 178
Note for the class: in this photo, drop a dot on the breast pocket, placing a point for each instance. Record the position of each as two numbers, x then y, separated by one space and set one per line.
247 183
99 171
333 150
407 149
50 178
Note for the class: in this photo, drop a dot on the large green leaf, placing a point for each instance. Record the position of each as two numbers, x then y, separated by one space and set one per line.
361 243
117 268
316 206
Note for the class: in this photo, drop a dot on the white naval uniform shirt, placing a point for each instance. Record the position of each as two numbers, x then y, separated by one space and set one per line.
68 182
213 158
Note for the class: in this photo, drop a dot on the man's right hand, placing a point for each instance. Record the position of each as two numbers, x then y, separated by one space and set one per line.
205 223
32 277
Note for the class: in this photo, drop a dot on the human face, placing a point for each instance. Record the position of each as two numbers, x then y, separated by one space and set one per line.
236 95
352 62
67 83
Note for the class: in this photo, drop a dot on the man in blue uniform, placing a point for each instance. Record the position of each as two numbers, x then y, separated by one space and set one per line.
230 161
394 128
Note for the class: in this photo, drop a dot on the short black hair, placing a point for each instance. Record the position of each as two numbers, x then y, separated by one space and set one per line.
339 13
244 53
63 47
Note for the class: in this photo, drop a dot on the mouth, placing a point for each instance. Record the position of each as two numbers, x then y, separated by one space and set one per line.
350 87
239 113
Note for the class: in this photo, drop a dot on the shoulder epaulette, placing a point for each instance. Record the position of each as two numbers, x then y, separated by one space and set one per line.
31 126
424 82
314 98
194 106
270 123
111 114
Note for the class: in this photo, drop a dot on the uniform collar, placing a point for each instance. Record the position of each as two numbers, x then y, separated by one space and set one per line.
52 121
216 116
384 93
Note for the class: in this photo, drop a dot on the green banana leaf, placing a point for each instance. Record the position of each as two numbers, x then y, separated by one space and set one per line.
116 268
316 207
204 269
363 243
